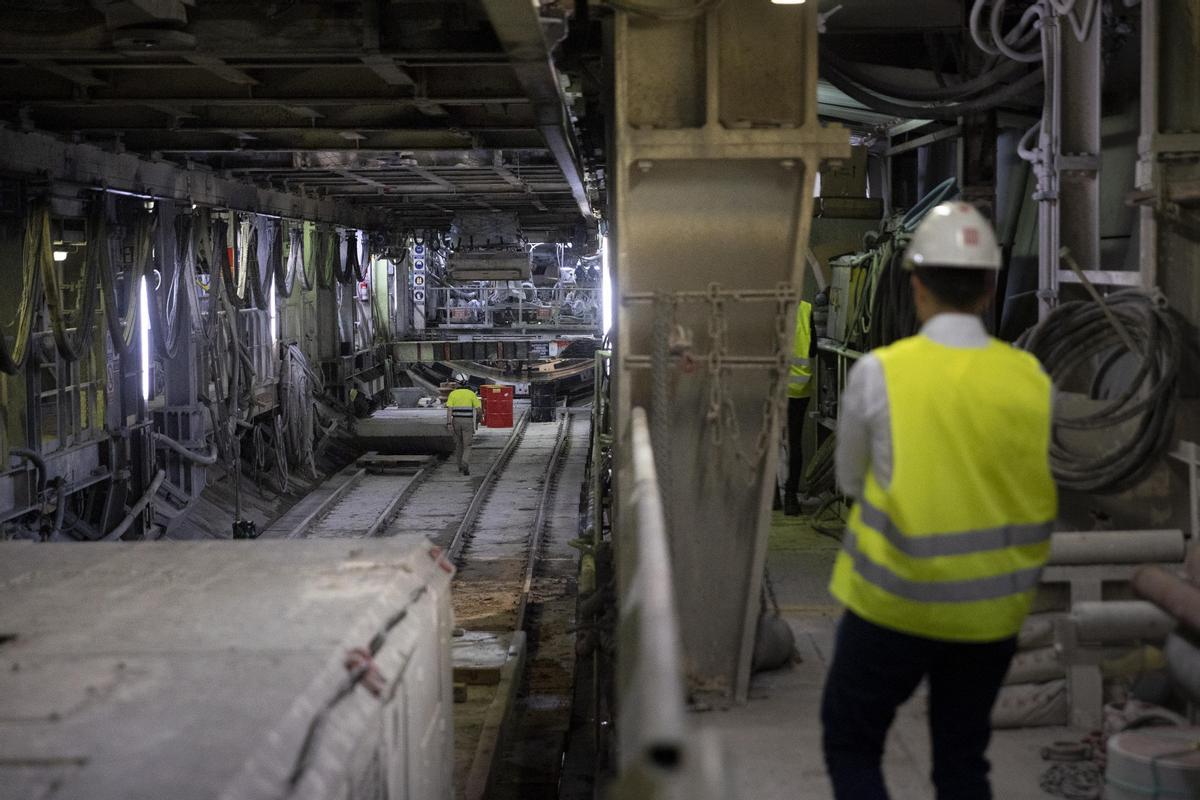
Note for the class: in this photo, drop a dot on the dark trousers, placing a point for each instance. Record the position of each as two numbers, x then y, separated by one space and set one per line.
795 422
874 670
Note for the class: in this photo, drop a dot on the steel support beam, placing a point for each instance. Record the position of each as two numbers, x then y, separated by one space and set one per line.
717 146
519 29
39 155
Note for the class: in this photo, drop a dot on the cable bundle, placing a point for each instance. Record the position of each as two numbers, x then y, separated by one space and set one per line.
35 251
1079 336
298 386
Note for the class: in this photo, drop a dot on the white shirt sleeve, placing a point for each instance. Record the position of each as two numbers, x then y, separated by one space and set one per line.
853 454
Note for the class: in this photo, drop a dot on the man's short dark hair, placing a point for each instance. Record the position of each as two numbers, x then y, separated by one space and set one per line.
958 288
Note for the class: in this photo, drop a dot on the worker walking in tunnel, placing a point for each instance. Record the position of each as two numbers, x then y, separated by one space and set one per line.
462 415
943 441
799 390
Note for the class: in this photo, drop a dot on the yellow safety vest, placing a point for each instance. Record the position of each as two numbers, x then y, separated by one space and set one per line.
800 375
954 547
463 403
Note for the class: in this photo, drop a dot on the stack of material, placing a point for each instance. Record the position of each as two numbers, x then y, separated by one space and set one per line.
1035 689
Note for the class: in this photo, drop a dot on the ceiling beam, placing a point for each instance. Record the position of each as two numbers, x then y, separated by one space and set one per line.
80 76
249 102
519 29
219 68
87 167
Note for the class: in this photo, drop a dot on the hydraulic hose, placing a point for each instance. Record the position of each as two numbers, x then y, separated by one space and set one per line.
205 459
38 463
138 507
35 247
1079 333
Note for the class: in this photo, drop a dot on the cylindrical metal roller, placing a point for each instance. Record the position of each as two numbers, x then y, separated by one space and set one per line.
1183 662
1117 547
1120 621
1171 593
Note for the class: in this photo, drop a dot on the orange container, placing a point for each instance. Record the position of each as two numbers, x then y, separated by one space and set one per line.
497 405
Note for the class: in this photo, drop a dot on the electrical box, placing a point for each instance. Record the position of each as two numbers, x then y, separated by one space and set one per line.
846 177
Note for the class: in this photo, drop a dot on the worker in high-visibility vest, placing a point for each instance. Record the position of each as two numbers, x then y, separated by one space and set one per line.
943 441
462 415
799 390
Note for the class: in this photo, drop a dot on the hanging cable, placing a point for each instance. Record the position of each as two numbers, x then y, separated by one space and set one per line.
308 256
162 288
327 254
297 408
258 271
122 329
35 251
950 110
1080 335
74 328
959 91
286 268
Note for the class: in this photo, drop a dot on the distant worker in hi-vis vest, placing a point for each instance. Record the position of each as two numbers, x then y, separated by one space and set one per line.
462 414
943 441
798 391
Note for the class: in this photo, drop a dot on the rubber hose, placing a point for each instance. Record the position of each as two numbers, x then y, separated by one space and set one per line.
38 462
1078 333
196 458
122 526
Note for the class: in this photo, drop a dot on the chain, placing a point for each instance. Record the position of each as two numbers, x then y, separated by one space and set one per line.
722 414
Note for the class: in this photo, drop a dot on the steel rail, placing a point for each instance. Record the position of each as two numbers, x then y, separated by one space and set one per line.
489 479
539 521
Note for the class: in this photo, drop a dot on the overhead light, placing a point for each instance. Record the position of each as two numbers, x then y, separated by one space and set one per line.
788 2
60 255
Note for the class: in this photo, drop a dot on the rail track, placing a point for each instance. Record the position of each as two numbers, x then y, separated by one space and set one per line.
508 531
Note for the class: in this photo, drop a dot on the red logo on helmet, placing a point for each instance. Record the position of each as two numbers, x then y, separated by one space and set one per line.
970 237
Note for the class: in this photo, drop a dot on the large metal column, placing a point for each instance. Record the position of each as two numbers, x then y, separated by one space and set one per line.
716 148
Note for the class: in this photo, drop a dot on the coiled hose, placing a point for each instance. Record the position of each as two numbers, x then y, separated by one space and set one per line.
1076 338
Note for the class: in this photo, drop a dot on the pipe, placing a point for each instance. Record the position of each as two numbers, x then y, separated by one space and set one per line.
196 458
1183 664
119 531
1117 547
38 462
1171 593
1120 621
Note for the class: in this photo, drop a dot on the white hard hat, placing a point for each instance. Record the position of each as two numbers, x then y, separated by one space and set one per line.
953 235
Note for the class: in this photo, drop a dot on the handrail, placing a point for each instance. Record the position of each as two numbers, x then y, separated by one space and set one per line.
651 728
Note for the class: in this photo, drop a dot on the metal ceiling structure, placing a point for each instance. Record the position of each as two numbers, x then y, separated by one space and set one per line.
411 107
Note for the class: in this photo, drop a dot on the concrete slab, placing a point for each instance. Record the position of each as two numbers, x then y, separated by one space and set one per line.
197 669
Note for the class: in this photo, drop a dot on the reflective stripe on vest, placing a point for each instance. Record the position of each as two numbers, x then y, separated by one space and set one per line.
952 548
952 591
956 543
800 369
